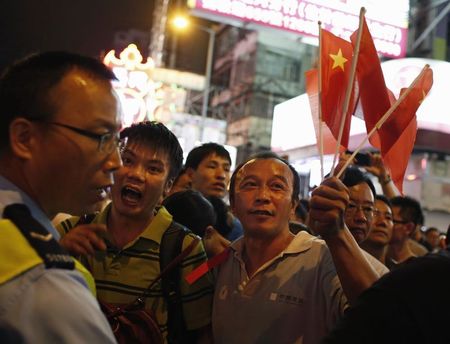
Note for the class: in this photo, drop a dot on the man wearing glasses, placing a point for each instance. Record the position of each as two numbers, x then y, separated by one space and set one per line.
380 234
59 122
407 214
358 215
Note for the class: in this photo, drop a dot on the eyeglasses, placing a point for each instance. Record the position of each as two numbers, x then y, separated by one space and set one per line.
353 208
386 215
107 142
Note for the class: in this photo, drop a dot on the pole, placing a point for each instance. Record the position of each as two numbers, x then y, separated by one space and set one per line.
209 60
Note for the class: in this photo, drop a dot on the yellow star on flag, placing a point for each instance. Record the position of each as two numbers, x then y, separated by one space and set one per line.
338 60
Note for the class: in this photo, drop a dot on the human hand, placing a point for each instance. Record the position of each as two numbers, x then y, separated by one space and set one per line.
84 239
327 206
377 168
214 242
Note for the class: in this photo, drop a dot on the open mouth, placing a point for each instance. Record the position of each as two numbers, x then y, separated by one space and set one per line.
261 212
131 195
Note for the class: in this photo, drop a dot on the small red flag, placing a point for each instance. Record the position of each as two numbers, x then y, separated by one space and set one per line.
328 140
336 60
398 133
373 93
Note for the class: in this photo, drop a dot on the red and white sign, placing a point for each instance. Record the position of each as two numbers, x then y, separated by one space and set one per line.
387 19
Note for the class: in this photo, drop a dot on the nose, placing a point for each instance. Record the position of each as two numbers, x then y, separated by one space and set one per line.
113 161
220 173
359 215
137 172
262 194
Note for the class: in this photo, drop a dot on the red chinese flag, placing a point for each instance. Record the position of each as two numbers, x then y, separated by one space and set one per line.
398 133
336 60
372 87
312 85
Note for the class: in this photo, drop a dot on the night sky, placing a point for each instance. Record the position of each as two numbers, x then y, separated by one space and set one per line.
83 26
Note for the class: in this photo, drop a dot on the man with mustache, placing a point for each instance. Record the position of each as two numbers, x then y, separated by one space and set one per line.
277 287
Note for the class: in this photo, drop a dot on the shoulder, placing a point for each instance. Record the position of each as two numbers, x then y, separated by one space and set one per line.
39 312
66 225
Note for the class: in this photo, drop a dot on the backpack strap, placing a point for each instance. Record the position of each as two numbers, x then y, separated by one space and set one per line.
171 245
43 242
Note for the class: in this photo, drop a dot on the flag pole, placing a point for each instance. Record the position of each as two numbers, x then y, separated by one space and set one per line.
349 87
319 68
383 119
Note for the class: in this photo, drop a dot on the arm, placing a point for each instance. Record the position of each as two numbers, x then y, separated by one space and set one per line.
83 240
327 206
380 171
197 309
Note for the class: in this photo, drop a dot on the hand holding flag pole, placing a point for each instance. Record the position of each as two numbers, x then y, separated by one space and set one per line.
350 85
384 118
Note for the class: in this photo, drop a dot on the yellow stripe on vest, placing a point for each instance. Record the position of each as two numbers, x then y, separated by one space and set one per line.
16 254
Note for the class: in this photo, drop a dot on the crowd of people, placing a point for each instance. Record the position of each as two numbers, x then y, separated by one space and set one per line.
254 263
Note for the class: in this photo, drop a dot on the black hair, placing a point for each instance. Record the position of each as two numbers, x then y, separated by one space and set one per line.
222 212
305 203
159 137
384 199
301 212
198 154
182 171
354 176
26 85
264 156
410 209
191 209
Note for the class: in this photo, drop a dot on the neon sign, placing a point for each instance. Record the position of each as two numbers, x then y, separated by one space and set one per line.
387 19
142 97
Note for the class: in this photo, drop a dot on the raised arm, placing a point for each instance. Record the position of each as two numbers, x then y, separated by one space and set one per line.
327 207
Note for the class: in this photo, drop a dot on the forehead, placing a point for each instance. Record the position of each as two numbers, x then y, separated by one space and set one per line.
382 206
361 193
213 157
265 169
146 152
82 98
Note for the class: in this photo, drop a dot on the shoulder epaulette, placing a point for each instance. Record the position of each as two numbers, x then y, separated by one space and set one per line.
43 242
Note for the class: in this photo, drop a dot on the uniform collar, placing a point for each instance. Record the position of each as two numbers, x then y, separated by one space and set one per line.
10 194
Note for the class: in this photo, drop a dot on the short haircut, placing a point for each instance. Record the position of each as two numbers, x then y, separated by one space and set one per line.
157 136
182 171
301 212
384 199
432 229
354 176
191 209
198 154
222 225
410 209
26 85
265 156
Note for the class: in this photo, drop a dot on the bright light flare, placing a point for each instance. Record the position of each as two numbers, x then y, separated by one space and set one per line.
180 22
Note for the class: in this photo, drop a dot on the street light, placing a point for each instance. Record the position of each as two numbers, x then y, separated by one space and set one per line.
182 23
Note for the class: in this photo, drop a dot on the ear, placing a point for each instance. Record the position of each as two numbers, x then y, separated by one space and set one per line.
167 187
294 205
410 227
22 138
209 231
190 172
